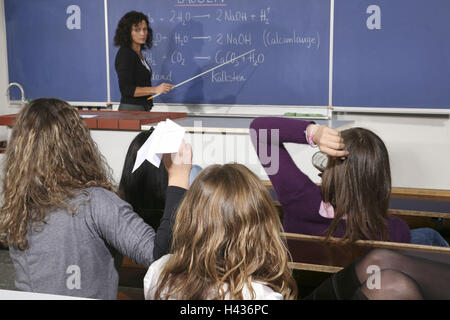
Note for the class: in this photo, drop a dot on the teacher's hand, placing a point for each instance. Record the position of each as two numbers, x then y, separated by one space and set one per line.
164 88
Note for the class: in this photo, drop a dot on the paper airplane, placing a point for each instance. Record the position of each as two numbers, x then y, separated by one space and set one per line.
166 138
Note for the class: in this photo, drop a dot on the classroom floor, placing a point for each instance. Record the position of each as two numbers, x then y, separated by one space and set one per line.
7 273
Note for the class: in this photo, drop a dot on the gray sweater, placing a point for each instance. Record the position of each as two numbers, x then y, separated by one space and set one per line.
73 255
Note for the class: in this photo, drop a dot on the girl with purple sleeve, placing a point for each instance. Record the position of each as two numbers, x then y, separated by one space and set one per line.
353 200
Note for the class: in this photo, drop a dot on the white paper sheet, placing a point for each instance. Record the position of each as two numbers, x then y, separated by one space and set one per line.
166 138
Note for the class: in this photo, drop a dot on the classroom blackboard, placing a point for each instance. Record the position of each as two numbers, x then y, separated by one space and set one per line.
51 52
392 53
290 64
57 48
384 54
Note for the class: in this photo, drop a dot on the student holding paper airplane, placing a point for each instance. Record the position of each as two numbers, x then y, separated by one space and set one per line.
133 34
145 187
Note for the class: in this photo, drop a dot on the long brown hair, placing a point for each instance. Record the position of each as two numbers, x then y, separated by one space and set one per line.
50 158
226 235
359 187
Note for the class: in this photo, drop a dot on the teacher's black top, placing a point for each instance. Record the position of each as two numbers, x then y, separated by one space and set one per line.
132 73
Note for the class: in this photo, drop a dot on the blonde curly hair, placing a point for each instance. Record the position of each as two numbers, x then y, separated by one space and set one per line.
50 158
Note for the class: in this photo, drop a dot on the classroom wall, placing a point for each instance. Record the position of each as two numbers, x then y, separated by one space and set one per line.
419 148
419 145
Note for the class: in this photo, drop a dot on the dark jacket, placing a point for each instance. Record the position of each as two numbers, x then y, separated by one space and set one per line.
132 73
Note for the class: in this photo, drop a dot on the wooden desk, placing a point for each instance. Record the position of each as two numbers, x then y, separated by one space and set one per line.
421 208
311 253
418 202
113 120
236 125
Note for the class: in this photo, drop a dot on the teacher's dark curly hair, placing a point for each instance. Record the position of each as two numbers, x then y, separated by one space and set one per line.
122 38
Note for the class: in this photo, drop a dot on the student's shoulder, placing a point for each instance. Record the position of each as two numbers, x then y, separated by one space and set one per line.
156 267
102 195
263 292
104 205
152 276
161 261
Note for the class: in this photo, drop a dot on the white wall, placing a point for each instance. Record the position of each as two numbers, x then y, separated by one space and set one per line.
419 148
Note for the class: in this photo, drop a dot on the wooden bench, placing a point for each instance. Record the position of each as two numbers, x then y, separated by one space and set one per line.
314 260
415 218
418 207
131 280
312 253
423 211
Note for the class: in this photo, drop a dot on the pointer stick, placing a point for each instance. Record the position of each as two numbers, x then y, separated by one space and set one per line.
199 75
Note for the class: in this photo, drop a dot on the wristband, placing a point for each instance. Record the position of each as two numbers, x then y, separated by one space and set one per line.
309 138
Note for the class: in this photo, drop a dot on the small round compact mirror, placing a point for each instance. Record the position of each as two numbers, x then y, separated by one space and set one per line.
320 161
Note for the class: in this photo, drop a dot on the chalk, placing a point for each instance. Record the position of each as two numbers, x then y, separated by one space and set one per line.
201 74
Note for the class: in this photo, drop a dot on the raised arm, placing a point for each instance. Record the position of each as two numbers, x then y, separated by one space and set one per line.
299 196
117 224
268 135
178 168
174 196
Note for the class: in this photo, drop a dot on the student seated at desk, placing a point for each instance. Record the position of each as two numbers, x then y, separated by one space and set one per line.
145 188
227 244
353 200
61 216
384 274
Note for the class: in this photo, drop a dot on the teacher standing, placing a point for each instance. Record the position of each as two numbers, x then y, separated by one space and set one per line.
133 34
